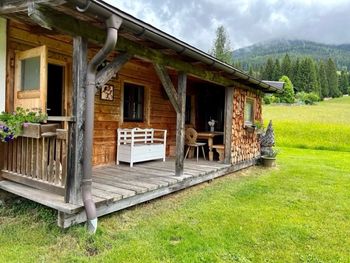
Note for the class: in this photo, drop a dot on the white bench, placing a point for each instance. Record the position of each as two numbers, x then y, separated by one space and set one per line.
138 145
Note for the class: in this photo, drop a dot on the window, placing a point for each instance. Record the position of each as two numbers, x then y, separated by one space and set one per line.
133 102
249 111
31 74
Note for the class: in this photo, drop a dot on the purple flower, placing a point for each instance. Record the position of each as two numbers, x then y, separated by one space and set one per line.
5 129
25 125
1 126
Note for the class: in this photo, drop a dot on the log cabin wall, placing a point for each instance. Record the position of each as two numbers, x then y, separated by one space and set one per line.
21 37
245 143
158 111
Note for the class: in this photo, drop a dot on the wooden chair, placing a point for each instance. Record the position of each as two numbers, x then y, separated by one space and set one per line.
191 142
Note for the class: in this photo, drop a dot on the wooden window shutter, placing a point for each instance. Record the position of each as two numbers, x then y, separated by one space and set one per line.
31 79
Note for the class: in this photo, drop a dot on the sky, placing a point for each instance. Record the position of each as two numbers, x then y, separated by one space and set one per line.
246 21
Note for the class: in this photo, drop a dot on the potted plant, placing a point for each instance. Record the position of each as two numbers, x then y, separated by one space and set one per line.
13 124
269 159
259 127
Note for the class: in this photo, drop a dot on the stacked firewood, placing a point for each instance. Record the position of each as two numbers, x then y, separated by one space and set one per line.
245 141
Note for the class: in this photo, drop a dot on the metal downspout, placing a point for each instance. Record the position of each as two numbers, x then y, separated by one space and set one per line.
112 23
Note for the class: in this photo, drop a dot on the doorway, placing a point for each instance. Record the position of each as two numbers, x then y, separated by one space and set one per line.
211 106
55 90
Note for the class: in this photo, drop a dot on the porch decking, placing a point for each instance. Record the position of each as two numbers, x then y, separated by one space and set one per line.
119 187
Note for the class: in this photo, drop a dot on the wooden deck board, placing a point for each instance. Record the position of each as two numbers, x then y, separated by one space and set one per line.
117 187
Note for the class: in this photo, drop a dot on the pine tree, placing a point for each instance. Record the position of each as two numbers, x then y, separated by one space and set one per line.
276 70
332 77
268 72
296 77
343 82
323 80
308 76
222 48
286 67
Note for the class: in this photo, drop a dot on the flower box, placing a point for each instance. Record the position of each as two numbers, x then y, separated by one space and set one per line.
35 130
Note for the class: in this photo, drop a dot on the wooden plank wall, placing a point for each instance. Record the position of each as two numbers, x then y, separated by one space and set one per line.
159 113
245 143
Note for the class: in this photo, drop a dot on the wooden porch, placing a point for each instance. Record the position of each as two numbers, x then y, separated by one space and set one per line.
119 187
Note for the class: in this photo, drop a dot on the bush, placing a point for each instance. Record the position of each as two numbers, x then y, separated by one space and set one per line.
267 99
307 98
349 91
287 96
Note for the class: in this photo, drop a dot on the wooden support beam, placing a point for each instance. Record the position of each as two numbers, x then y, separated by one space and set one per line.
180 124
167 85
112 68
72 26
75 168
228 124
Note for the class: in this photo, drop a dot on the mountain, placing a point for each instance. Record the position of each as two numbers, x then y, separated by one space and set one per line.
258 54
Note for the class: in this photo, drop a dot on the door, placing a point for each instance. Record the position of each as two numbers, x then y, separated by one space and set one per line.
31 79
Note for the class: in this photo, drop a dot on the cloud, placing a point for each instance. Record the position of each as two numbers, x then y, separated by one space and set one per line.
246 21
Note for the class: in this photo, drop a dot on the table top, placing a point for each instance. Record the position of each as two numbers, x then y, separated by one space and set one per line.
208 134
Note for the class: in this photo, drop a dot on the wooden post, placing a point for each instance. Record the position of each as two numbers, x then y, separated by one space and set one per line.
76 129
228 123
180 124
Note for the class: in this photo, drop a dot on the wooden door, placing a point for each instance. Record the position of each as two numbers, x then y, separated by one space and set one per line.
31 79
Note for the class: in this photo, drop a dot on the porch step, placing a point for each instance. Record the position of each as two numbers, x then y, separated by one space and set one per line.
51 200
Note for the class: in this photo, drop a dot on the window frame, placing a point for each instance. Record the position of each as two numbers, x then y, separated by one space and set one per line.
253 102
146 102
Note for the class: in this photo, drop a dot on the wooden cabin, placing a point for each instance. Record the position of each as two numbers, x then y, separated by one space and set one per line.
148 79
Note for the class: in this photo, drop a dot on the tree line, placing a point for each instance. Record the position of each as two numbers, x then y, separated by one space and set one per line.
316 78
307 75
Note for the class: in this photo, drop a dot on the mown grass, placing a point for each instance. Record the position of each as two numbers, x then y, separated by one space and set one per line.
297 212
325 126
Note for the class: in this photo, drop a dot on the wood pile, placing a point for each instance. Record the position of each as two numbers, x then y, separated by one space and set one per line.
245 142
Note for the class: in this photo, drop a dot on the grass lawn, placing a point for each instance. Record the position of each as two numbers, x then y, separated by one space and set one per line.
298 212
325 126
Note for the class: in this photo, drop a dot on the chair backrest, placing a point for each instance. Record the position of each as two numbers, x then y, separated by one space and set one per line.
190 136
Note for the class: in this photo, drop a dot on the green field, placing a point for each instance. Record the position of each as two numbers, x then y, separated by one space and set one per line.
297 212
325 126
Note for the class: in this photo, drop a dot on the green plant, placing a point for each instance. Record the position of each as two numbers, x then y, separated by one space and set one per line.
287 95
11 124
307 98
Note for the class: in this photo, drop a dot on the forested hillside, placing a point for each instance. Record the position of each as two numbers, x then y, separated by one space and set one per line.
257 55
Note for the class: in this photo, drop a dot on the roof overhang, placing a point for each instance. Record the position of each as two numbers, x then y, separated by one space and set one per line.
100 10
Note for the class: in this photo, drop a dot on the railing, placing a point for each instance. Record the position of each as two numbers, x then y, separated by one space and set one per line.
38 161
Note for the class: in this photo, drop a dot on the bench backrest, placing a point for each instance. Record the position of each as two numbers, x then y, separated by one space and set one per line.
137 135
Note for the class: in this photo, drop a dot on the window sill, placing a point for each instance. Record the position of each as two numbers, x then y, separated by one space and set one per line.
249 127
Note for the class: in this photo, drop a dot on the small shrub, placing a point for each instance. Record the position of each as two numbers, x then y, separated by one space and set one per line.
267 99
307 98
